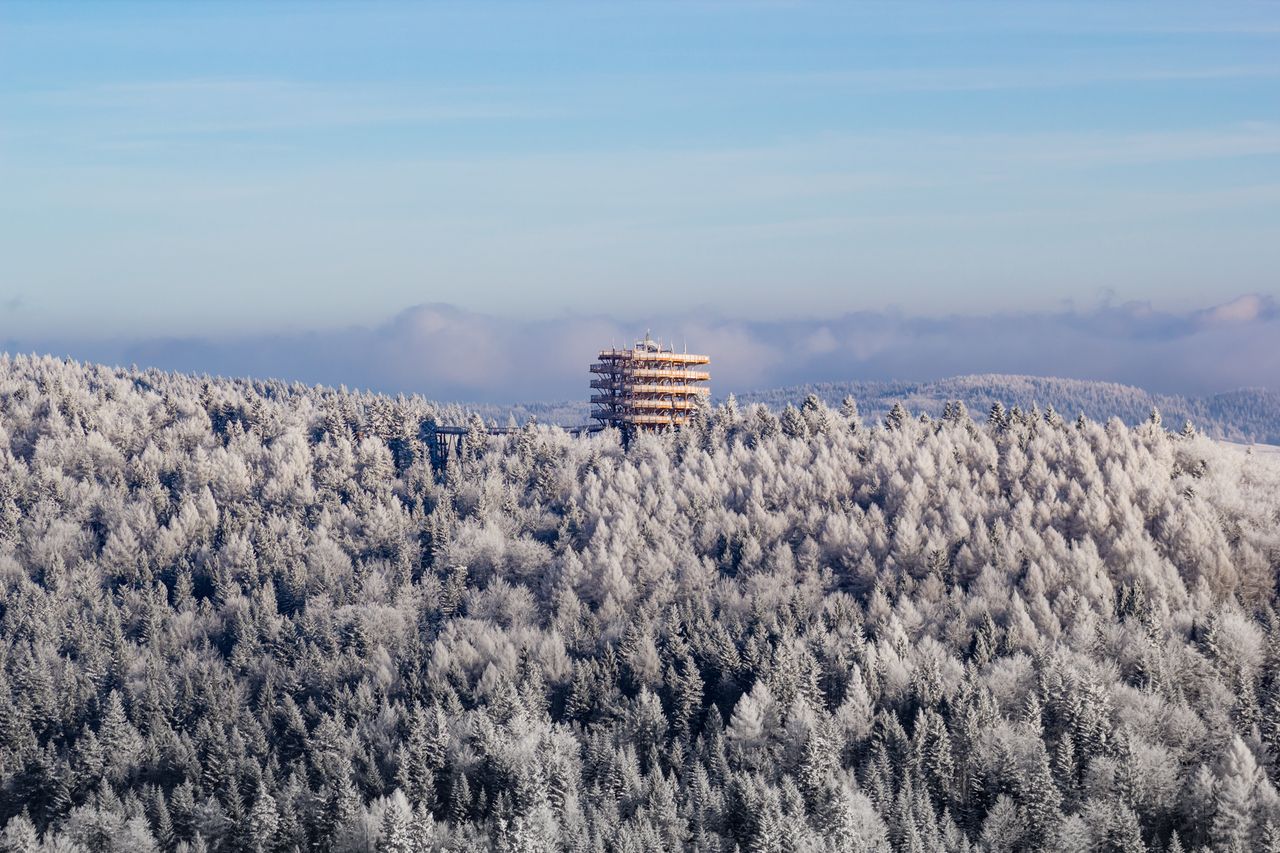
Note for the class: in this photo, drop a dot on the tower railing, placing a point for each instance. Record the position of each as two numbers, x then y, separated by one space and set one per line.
647 386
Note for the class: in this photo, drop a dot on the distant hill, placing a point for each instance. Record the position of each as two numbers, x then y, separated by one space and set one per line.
1247 415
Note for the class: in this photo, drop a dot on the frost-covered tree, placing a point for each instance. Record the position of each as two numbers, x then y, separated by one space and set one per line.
248 615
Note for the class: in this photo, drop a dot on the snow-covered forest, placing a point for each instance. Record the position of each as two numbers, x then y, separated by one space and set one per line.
1246 414
254 617
1243 415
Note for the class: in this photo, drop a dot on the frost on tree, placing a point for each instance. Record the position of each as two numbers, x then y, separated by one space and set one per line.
250 616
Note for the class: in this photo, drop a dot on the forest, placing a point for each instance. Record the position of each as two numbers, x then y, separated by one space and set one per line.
1242 415
256 616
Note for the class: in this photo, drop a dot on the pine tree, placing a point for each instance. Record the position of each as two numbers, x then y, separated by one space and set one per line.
419 757
264 820
927 820
1065 769
1269 842
687 688
1245 712
907 835
815 414
1238 779
120 740
849 411
395 834
344 803
986 640
135 836
161 820
422 831
767 825
460 798
1005 827
1041 799
182 807
937 761
1122 832
898 416
817 764
19 835
793 423
998 417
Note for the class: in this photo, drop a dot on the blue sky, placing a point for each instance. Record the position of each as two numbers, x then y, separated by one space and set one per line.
196 170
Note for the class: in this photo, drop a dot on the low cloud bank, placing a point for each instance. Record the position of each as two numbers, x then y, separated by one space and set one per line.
447 353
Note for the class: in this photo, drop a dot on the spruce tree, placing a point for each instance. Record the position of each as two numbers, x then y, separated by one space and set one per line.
264 820
396 831
1234 800
849 411
19 835
898 416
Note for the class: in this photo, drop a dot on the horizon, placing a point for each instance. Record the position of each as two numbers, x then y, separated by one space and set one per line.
1204 351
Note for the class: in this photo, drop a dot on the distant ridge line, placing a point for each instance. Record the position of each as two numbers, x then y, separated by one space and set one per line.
1241 414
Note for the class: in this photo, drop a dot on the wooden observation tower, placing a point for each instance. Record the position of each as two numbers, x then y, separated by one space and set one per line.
647 386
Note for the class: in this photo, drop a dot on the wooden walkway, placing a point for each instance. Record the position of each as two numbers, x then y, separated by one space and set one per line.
445 439
497 430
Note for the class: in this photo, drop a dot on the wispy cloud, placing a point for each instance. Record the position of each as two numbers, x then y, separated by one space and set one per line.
224 106
1006 78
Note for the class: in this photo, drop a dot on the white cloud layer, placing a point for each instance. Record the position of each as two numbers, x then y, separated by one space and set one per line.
448 353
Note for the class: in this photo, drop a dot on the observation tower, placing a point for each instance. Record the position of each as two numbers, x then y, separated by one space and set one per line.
647 386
